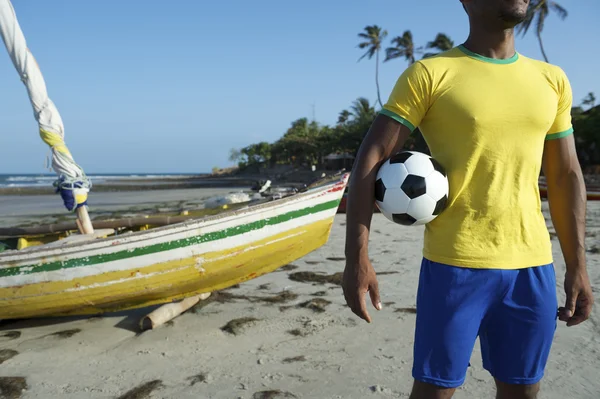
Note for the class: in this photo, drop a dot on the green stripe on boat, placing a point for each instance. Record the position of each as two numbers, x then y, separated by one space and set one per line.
166 246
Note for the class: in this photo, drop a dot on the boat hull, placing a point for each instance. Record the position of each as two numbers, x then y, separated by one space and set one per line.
169 264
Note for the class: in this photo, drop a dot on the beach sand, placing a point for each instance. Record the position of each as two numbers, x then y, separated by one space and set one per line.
254 342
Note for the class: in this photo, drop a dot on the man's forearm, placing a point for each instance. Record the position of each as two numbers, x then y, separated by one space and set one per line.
385 137
567 200
361 199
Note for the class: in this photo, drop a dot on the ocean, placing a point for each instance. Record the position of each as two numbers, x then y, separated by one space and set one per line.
46 180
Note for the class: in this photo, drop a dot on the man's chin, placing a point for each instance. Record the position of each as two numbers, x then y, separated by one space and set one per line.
512 20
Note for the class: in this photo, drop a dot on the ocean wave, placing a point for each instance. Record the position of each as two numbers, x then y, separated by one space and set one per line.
47 180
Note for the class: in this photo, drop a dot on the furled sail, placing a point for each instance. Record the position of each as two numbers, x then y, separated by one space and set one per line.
72 182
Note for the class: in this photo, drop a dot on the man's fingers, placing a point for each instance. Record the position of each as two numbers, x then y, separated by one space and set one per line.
569 309
362 308
374 294
581 314
354 300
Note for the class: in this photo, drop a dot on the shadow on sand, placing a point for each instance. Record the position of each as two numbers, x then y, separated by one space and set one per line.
126 320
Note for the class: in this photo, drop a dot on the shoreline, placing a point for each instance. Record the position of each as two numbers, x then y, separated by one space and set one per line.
296 179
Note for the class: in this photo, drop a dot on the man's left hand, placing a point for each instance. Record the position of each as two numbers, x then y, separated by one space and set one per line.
580 299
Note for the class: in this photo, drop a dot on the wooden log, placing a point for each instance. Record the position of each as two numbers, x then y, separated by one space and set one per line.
102 224
85 223
169 311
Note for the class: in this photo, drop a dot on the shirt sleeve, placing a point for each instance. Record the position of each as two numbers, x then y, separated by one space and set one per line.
562 125
410 97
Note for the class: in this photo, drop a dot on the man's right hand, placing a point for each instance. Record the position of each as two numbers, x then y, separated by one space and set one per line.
385 137
359 277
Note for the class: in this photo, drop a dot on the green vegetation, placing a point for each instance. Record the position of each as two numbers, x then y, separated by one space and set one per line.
587 128
307 142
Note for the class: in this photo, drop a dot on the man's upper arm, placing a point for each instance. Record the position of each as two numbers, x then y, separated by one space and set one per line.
560 158
409 101
562 126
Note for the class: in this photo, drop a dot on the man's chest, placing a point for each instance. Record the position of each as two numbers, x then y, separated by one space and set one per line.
486 106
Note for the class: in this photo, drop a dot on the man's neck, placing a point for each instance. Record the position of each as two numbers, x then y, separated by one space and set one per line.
497 44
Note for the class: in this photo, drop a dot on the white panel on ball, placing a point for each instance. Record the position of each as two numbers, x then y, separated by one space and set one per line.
421 207
437 185
386 214
393 175
419 164
424 221
395 201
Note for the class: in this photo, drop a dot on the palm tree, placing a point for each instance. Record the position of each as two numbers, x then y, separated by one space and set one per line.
362 110
403 46
373 36
589 100
441 43
343 117
539 10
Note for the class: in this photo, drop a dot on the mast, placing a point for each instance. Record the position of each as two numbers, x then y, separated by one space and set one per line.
72 183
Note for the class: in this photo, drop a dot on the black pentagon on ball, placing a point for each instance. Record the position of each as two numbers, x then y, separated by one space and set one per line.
440 205
414 186
437 166
404 219
400 157
379 190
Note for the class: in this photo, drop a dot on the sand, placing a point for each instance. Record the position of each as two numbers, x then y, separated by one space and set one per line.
255 342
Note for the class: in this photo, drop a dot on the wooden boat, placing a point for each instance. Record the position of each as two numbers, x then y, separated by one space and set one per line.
164 264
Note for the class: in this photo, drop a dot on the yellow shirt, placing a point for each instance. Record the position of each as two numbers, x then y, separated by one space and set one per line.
485 120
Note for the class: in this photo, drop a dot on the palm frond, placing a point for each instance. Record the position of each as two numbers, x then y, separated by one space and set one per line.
558 9
392 53
541 18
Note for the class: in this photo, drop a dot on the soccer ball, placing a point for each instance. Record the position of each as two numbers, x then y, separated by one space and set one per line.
411 188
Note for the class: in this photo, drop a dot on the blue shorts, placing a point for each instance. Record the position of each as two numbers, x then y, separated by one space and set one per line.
514 313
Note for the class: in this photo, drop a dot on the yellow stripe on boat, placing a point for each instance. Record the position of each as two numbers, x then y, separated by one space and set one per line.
163 282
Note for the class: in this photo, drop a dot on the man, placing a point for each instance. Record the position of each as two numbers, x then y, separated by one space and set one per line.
493 119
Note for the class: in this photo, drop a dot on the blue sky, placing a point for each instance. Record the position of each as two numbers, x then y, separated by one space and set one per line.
152 86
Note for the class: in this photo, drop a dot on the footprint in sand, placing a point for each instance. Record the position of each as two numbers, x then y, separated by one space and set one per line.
406 310
295 359
142 391
312 262
316 304
199 378
12 387
274 394
65 333
10 335
6 354
310 277
288 267
238 326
